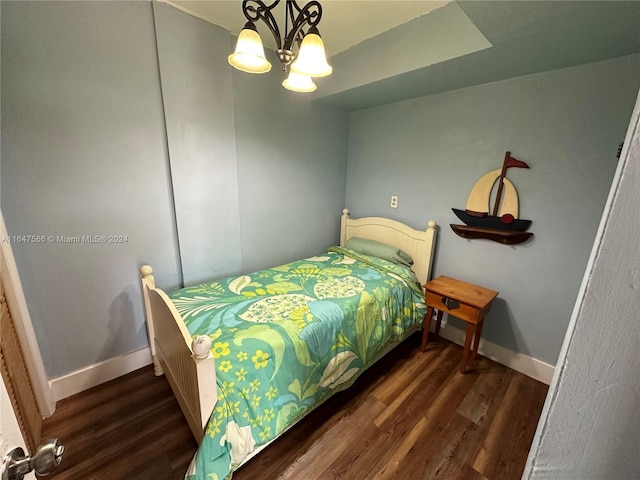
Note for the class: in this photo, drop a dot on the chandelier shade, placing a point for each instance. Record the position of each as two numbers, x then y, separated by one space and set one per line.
298 82
300 31
249 53
312 60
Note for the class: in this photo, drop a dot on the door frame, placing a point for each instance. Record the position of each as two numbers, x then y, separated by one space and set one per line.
17 304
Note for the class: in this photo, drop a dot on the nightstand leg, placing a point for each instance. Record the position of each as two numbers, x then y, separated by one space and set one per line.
426 325
467 346
476 337
438 323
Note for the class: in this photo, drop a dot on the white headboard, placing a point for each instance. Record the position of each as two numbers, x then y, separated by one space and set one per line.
419 244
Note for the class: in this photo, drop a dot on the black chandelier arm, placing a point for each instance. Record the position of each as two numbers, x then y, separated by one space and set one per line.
309 15
255 10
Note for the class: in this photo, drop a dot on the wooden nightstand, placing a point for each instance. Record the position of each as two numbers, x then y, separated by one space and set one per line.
463 300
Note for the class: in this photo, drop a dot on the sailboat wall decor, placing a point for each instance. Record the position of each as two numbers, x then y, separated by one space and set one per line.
503 224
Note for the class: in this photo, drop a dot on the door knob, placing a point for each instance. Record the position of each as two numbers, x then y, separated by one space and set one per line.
47 457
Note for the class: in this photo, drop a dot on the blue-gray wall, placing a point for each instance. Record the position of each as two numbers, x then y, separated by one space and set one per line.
291 167
198 106
251 162
566 124
103 127
83 153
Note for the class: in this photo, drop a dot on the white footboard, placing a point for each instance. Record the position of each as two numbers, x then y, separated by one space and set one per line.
192 376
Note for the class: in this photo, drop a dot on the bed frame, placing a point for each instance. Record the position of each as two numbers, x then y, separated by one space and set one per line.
192 376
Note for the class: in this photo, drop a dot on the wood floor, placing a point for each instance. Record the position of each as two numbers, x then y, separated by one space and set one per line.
411 416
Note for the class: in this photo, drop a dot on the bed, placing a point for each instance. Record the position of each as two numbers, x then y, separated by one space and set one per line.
248 357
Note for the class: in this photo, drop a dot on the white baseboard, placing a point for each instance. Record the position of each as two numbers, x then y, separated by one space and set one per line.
529 366
85 378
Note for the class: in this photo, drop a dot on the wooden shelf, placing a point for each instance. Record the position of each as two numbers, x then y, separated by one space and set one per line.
506 237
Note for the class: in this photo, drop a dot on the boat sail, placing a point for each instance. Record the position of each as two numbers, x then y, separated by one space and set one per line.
479 198
503 224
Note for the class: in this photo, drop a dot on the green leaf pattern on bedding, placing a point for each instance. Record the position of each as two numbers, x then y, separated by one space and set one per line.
286 338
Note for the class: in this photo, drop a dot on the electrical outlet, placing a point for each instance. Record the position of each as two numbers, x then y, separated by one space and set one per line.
394 201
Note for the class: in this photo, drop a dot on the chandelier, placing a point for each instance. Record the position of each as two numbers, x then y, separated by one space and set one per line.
311 60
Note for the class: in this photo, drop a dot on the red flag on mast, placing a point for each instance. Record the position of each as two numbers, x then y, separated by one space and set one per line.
513 162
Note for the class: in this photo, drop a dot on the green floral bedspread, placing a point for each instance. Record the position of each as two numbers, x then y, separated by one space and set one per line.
286 338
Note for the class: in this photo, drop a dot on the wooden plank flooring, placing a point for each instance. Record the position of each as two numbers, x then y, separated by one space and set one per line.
411 416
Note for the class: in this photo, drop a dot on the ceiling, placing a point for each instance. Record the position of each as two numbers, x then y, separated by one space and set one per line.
344 23
390 50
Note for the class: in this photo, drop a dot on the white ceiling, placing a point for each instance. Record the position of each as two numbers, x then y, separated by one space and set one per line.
344 23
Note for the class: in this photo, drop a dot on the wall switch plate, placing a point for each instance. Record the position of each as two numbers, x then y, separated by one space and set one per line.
394 201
